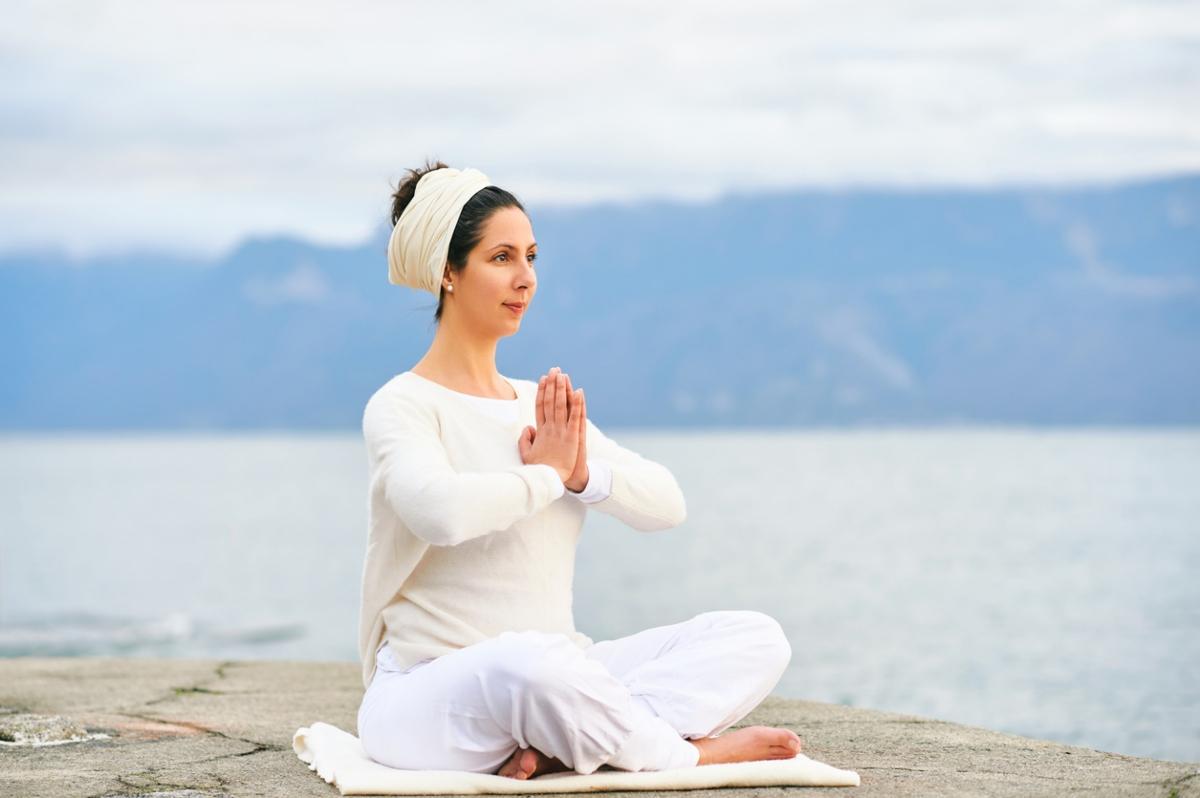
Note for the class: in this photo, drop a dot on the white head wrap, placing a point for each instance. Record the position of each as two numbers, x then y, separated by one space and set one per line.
420 240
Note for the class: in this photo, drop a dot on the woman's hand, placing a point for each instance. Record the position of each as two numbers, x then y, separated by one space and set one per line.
578 479
555 442
580 476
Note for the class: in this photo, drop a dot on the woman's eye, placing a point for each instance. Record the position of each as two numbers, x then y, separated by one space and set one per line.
532 256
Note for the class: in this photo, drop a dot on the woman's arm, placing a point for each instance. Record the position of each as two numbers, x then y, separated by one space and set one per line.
644 493
438 504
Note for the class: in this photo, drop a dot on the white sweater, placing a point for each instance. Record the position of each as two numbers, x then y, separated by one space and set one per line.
464 540
599 484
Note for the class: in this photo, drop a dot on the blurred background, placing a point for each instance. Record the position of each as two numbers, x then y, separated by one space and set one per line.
906 295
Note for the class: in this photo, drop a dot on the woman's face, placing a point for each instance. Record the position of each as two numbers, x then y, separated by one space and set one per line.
499 275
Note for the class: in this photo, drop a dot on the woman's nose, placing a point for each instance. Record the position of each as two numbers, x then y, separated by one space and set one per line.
528 277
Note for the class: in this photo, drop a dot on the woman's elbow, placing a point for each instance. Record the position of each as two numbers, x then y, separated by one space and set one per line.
678 511
672 514
672 509
434 530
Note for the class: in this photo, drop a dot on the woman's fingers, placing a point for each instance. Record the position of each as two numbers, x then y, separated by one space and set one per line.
575 411
540 402
561 412
572 405
560 400
548 400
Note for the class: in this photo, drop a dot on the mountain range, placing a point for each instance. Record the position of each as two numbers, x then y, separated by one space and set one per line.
1076 305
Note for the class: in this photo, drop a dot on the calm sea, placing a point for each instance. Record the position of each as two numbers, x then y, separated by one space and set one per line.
1040 582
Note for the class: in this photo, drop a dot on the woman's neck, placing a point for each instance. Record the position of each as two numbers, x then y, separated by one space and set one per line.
463 363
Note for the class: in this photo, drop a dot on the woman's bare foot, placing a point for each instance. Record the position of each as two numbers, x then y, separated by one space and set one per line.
529 763
749 745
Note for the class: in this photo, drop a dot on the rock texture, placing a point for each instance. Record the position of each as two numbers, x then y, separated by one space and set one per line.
193 728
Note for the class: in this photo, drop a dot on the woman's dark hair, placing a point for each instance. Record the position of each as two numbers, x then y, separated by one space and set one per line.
471 220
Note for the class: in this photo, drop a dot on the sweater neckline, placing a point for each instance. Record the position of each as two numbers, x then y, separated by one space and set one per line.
470 396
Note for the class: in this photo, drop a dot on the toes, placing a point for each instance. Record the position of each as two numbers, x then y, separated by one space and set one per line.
515 764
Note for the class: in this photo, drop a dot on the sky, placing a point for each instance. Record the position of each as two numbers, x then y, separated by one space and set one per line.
186 127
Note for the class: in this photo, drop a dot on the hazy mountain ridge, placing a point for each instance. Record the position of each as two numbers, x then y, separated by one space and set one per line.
1019 306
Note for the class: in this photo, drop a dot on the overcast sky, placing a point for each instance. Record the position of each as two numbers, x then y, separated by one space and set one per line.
187 126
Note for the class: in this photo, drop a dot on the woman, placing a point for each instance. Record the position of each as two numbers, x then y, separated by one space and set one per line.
479 488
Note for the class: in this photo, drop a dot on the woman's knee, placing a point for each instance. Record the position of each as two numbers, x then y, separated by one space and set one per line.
773 636
768 634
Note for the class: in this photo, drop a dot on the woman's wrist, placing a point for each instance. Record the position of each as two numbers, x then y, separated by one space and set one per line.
577 487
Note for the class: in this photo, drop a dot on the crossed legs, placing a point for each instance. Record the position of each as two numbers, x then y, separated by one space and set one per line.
628 703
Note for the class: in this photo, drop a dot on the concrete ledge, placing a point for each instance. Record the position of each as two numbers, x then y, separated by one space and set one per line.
212 728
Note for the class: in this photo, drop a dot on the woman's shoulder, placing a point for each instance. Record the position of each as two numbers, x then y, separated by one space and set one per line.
399 384
403 394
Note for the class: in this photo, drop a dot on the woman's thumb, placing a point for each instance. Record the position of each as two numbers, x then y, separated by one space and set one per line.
525 442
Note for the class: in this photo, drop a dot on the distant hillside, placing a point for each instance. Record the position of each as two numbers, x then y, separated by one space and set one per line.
1073 306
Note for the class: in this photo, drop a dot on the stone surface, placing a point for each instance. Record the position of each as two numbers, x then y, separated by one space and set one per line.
193 728
23 728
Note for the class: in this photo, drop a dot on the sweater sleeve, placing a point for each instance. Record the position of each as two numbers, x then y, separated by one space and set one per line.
435 502
599 485
644 494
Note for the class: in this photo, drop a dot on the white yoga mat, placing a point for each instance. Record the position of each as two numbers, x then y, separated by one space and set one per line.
338 757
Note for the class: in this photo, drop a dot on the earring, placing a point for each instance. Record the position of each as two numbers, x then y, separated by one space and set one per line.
449 288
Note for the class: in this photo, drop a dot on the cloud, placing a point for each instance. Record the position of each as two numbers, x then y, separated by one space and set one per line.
190 126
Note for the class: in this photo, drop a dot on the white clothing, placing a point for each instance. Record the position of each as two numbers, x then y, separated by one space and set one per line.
465 541
467 637
627 703
599 484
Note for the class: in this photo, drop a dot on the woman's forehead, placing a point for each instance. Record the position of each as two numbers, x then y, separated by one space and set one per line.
511 229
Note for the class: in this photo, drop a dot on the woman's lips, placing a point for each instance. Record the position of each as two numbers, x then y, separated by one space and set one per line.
518 309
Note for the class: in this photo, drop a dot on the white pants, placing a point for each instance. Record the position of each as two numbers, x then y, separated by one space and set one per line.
627 703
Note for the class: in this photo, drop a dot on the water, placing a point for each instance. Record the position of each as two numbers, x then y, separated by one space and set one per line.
1040 582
